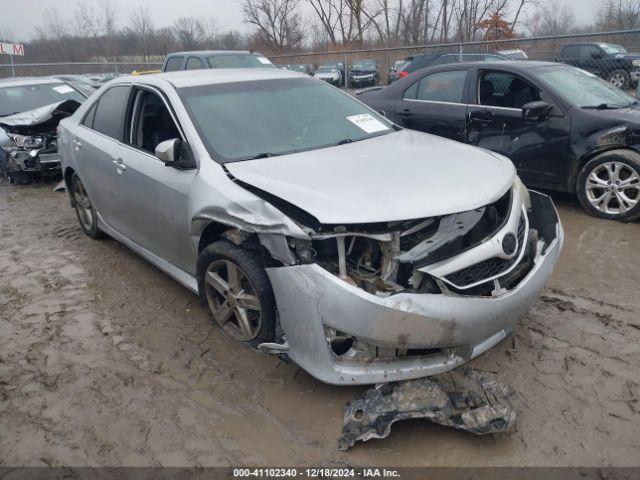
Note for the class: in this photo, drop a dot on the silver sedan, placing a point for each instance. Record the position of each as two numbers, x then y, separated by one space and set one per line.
309 224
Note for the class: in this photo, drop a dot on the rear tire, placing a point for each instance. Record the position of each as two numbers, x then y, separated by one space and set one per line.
620 79
236 289
609 186
85 212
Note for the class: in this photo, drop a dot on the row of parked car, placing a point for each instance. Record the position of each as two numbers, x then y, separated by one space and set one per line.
308 219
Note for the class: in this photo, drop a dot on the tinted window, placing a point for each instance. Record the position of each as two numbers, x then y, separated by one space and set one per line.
570 51
109 116
154 123
412 92
588 51
501 89
88 119
443 87
239 60
173 64
194 64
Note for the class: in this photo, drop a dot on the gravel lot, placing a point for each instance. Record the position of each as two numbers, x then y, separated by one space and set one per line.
104 360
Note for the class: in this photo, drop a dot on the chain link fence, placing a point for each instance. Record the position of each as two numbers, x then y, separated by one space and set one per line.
75 68
609 55
599 53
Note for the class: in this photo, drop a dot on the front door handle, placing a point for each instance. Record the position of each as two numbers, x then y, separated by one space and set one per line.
406 112
77 144
121 167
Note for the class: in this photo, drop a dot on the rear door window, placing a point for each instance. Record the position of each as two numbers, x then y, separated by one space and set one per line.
194 64
443 87
173 64
110 112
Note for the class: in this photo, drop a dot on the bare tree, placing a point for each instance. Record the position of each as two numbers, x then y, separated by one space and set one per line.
551 18
144 31
618 15
189 32
278 23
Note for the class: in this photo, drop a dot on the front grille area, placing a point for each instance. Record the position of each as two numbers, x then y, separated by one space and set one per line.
491 267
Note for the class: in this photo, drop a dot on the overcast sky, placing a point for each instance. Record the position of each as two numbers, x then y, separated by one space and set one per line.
18 16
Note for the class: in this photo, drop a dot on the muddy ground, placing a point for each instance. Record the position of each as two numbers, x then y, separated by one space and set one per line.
104 360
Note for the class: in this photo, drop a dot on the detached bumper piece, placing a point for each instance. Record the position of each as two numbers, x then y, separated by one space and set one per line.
464 399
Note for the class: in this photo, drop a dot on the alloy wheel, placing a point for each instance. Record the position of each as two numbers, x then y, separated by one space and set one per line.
617 80
83 205
233 300
613 188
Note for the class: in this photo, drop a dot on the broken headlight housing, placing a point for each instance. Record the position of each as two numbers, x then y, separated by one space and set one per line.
27 142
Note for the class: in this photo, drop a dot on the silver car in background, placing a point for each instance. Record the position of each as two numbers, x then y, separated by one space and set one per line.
309 224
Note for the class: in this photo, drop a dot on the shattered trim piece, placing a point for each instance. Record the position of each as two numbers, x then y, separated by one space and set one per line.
464 399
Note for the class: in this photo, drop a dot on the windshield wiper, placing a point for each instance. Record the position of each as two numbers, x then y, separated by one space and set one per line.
345 141
603 106
264 155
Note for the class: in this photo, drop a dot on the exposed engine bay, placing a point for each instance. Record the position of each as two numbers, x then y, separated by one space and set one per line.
33 149
419 256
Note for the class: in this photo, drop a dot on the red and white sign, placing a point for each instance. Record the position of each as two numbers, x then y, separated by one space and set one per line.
11 49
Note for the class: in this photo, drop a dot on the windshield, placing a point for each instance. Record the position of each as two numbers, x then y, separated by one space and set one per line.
245 120
612 49
23 98
239 61
584 89
364 65
327 69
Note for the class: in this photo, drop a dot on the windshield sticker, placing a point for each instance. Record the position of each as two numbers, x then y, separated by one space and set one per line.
368 123
63 89
264 60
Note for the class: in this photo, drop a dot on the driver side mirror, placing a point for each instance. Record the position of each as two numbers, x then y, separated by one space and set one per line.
172 154
535 111
596 56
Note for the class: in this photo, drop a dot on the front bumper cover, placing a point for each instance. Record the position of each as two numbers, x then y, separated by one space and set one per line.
310 299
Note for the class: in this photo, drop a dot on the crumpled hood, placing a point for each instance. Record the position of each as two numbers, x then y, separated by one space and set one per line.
400 176
39 120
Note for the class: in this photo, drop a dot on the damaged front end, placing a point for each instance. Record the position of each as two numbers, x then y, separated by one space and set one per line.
32 151
376 303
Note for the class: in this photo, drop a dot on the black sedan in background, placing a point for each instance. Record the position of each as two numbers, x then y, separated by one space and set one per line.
564 128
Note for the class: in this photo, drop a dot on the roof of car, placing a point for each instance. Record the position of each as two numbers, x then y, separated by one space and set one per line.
193 78
517 64
21 81
208 53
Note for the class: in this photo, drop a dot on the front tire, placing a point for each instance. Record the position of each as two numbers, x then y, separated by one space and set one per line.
609 185
84 209
620 79
235 287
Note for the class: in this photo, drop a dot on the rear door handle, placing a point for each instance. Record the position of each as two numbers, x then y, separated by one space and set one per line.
406 112
121 167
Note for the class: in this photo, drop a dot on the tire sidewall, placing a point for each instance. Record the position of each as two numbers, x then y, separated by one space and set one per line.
627 77
94 232
629 158
251 266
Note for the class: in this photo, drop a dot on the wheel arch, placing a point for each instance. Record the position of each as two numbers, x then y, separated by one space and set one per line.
588 156
67 176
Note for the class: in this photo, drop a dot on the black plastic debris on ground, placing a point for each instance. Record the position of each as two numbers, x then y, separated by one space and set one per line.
464 398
